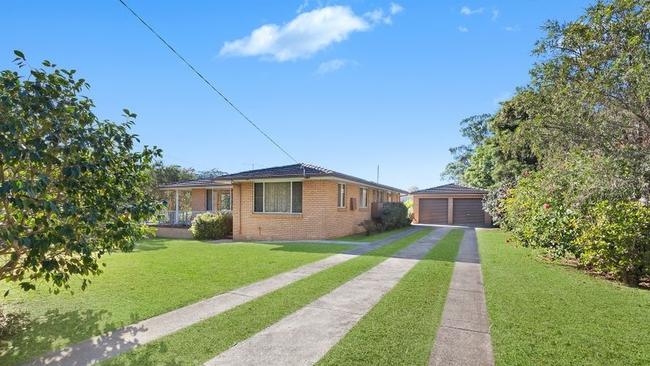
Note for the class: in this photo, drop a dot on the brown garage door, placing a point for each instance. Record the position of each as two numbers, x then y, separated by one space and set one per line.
468 211
433 211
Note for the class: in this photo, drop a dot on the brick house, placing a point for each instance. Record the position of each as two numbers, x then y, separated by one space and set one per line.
292 202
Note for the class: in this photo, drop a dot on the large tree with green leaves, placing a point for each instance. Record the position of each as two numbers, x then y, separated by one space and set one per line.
475 129
72 187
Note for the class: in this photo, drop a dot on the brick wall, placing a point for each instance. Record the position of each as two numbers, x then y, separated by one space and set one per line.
320 219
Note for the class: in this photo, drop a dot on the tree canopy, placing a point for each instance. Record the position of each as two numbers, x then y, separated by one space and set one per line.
72 187
574 143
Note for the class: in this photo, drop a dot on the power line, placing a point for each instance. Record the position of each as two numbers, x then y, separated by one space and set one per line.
171 48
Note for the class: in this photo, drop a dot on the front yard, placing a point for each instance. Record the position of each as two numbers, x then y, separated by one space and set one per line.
159 276
545 313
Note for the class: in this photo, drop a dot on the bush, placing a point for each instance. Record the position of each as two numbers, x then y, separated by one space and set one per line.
616 240
212 226
372 226
394 215
539 217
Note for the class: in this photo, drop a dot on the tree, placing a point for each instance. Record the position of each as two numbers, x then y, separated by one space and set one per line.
163 174
474 128
210 174
72 187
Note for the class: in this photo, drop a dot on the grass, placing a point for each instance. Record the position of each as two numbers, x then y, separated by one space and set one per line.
202 341
159 276
373 237
545 313
401 328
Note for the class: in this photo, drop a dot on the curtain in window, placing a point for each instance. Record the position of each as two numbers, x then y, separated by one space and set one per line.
277 197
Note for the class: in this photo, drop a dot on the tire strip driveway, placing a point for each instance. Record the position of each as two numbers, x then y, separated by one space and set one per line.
305 336
464 334
124 339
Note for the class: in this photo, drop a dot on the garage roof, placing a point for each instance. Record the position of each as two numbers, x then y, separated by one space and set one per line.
451 188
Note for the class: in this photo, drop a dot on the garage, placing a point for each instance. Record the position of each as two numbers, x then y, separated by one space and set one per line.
468 211
434 211
450 204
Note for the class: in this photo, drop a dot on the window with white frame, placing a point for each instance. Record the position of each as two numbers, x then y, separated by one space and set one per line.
278 197
363 197
341 195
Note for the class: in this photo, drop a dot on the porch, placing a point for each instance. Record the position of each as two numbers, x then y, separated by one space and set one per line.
185 200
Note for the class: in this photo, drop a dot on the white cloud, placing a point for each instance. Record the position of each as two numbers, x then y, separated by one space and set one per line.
303 36
511 28
495 14
333 65
395 8
466 10
463 29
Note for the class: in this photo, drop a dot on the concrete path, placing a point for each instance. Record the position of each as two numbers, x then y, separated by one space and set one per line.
305 336
464 334
124 339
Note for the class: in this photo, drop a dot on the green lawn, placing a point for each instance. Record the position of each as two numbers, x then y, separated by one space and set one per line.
373 237
202 341
401 328
543 313
159 276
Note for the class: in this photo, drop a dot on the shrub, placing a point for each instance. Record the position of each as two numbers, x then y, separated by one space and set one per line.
539 217
394 215
494 202
212 226
616 240
372 226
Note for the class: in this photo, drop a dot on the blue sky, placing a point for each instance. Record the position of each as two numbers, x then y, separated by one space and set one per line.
346 85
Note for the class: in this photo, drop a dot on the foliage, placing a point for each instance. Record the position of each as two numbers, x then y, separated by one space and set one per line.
494 202
479 172
474 128
539 217
210 174
72 188
576 135
163 174
394 215
372 227
212 225
616 240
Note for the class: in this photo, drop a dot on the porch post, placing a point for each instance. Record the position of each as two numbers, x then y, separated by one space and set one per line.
176 215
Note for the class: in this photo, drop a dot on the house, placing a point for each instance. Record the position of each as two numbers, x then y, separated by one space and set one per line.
291 202
450 204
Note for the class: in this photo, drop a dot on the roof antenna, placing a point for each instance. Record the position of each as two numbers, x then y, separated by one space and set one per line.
377 173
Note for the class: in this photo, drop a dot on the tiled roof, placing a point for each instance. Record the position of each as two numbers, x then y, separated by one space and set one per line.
451 189
304 171
198 183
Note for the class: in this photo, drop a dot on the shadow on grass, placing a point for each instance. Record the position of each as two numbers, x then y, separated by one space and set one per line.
43 334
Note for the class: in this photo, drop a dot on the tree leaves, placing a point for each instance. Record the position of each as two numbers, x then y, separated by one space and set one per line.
65 180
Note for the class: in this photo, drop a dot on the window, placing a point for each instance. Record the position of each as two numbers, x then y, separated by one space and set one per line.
341 195
363 198
278 197
208 200
225 201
